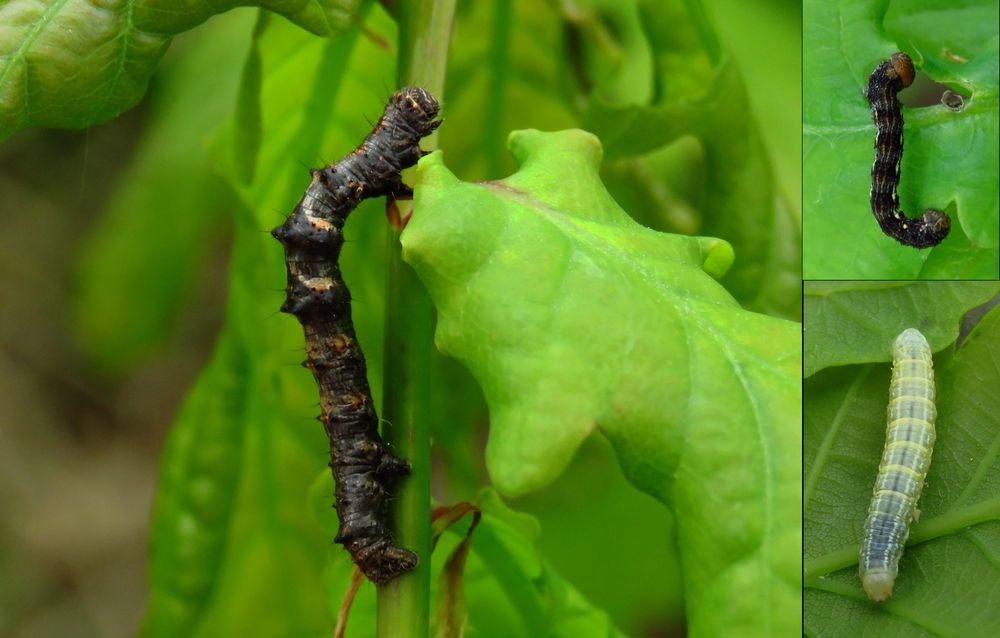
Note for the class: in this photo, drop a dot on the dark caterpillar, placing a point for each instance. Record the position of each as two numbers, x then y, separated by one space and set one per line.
888 78
312 236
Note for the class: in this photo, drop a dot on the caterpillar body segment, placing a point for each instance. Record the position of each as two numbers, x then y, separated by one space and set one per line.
363 466
889 78
905 460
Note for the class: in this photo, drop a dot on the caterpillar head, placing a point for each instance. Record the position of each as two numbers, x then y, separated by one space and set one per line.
419 108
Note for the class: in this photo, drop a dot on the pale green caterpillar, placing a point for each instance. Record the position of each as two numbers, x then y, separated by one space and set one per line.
909 440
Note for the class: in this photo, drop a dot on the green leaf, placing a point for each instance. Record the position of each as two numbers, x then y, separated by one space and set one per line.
764 36
217 543
504 76
74 63
856 322
572 317
511 590
546 604
951 160
151 245
195 500
947 583
636 574
701 93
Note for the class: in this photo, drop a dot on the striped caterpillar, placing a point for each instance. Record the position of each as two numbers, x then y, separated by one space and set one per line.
888 78
362 465
905 459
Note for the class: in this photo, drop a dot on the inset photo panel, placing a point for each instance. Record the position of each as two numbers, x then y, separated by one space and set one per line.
901 459
901 162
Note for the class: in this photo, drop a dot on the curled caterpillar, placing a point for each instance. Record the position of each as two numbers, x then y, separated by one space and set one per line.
312 236
888 78
909 441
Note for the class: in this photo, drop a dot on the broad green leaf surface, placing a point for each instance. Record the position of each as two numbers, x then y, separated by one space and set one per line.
856 322
572 317
947 584
156 235
631 573
701 93
951 161
74 63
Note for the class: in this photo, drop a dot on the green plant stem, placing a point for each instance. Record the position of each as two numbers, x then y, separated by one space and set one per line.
499 65
403 608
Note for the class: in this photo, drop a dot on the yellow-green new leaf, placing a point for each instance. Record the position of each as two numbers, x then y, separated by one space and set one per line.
573 318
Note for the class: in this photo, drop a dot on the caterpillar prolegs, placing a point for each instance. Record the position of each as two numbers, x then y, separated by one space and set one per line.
907 456
362 465
888 79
